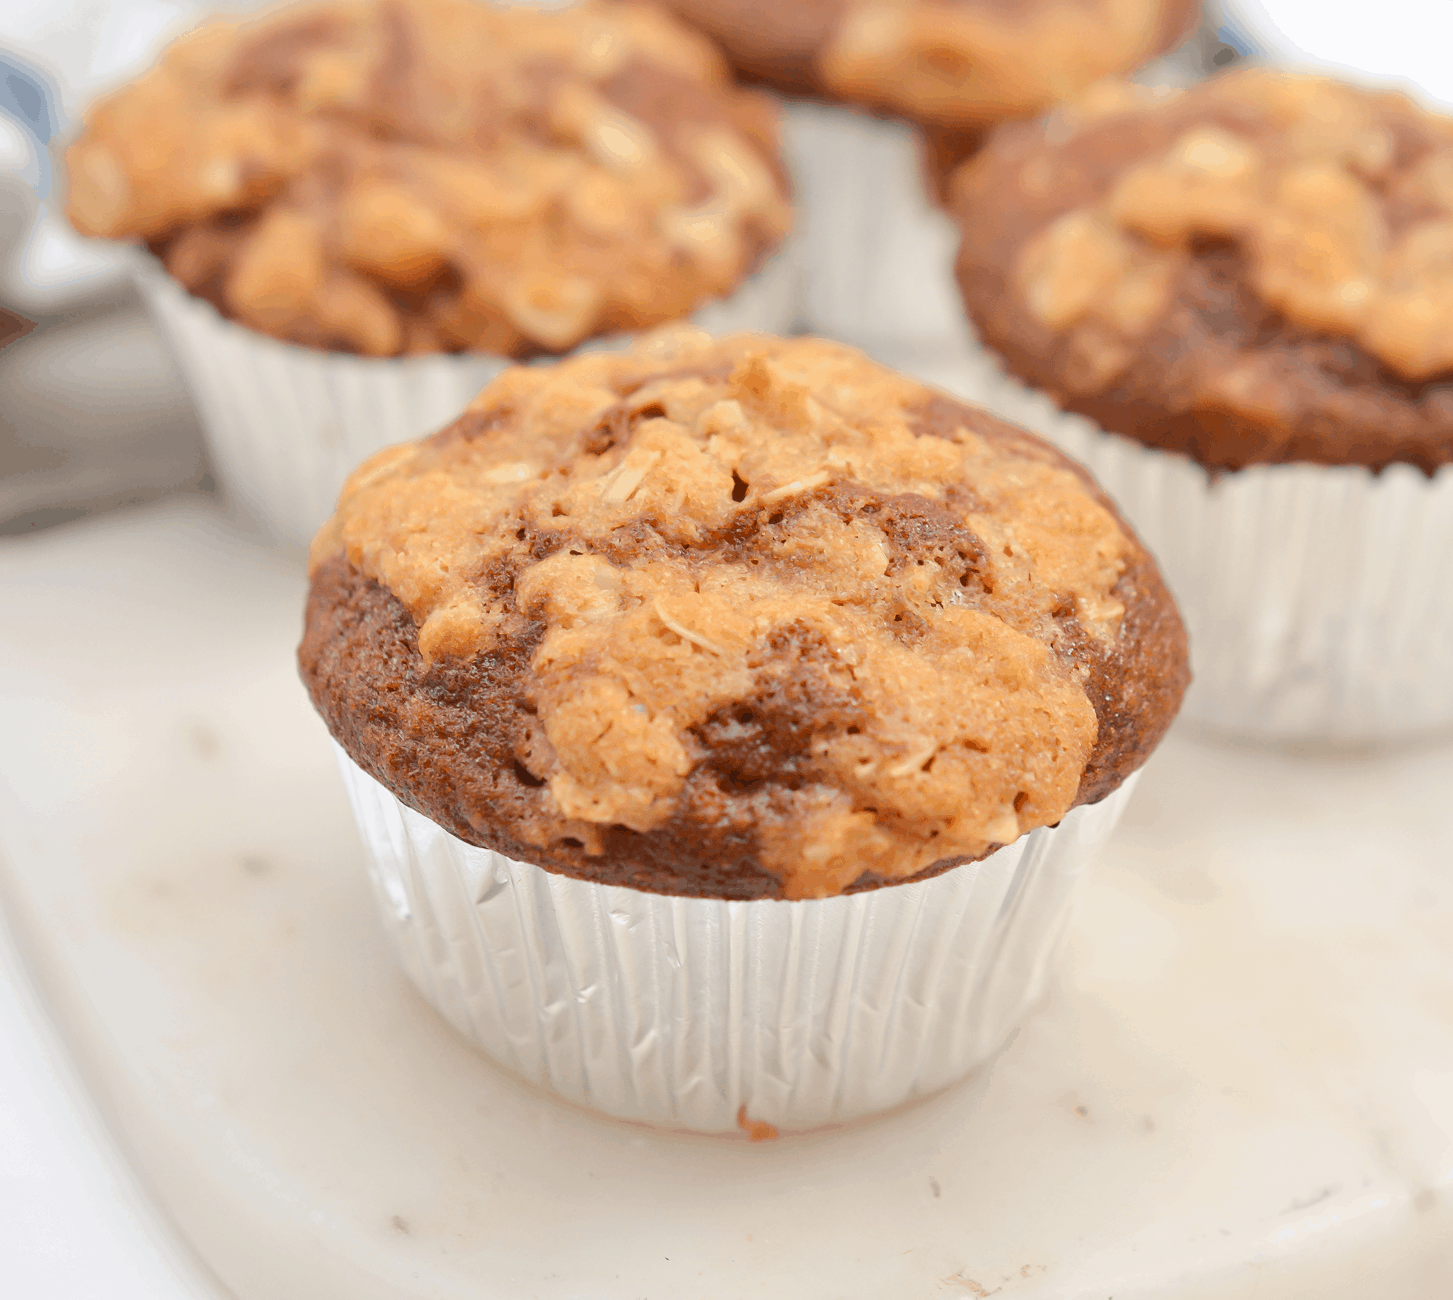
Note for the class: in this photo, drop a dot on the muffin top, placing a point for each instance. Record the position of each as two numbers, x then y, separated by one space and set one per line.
1259 269
738 618
405 176
957 64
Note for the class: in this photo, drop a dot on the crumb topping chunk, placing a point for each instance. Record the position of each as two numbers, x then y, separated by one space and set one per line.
408 176
847 599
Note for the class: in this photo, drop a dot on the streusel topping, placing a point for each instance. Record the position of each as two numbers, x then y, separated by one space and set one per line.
403 176
960 63
697 533
1340 198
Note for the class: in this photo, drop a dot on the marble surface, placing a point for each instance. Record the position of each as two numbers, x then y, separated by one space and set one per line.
74 1221
1240 1086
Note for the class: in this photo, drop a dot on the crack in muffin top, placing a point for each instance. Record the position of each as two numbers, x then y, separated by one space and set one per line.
759 585
955 64
406 176
1266 258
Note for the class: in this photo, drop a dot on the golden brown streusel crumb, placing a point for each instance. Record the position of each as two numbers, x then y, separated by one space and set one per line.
398 176
698 531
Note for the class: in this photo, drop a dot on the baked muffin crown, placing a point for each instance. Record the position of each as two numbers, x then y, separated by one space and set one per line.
748 617
1257 269
952 64
396 176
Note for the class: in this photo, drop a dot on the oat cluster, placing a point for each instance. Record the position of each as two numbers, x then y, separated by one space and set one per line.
757 539
404 176
1340 199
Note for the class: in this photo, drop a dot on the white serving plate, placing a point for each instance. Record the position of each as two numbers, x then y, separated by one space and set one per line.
1240 1086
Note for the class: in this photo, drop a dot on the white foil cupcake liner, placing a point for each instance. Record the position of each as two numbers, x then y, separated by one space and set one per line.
285 425
1318 598
706 1014
878 253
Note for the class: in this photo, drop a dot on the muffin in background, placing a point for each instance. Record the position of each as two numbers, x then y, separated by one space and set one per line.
870 85
384 183
1235 305
959 67
736 692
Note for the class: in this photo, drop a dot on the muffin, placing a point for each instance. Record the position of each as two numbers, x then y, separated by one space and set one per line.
957 66
1240 298
357 211
728 721
878 253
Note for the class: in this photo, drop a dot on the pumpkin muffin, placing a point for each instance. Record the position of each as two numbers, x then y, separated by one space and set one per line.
753 619
955 65
376 179
883 100
1253 273
406 176
728 723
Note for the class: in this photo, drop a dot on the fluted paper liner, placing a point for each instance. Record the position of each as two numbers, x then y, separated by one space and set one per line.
681 1012
1319 599
285 425
877 252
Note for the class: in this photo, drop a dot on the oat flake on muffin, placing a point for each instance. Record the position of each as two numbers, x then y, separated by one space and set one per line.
407 176
742 618
1257 270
